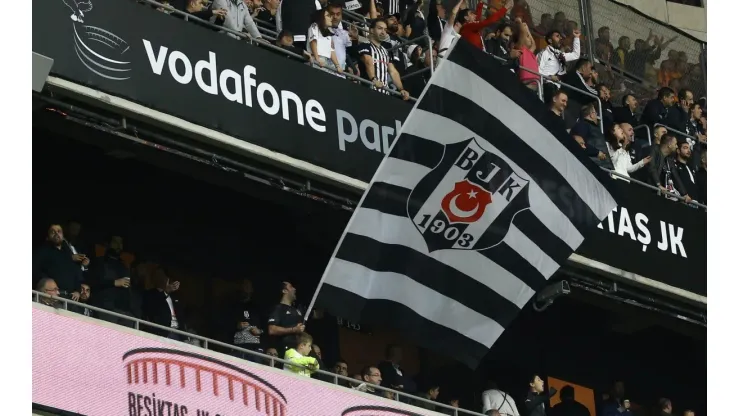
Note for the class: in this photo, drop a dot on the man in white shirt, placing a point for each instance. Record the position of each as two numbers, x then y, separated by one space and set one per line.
498 403
552 60
341 37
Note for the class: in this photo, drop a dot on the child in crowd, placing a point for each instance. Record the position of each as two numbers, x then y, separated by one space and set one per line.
299 355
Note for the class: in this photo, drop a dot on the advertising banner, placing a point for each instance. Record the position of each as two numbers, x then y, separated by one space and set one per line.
656 238
93 368
130 50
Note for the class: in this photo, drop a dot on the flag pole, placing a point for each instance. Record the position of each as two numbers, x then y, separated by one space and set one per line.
367 186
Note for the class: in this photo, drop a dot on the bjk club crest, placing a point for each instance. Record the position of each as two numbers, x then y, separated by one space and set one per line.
468 201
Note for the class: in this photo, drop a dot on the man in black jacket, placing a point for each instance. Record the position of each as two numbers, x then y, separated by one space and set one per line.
54 260
85 294
436 20
626 113
393 376
500 46
647 149
685 169
568 405
605 96
679 114
161 308
557 107
662 169
656 110
534 405
111 282
588 128
579 77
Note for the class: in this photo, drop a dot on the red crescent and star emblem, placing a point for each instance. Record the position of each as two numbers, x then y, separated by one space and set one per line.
466 203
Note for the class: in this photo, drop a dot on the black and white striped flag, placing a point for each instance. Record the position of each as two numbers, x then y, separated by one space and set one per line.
478 203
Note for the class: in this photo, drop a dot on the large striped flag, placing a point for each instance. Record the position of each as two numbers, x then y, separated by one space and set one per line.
477 204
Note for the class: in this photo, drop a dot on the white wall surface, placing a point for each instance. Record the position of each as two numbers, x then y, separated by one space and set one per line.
692 20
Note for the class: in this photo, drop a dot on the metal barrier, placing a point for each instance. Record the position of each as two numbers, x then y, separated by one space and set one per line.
594 96
672 130
591 15
680 133
206 342
653 187
562 84
649 133
569 8
540 82
622 83
625 22
188 16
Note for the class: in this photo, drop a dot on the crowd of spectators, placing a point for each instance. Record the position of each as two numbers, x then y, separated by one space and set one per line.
303 28
675 160
62 267
547 58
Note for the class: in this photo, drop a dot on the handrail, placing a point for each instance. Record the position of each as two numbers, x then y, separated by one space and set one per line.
622 71
540 89
653 187
676 131
262 28
208 341
357 16
262 42
415 73
598 100
408 42
649 133
266 23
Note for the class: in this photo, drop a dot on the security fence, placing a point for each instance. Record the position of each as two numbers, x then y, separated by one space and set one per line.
646 54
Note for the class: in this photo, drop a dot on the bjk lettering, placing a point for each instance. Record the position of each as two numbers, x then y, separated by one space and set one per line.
242 88
671 236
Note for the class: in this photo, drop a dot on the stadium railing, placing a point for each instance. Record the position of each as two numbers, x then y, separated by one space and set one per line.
652 187
259 42
358 19
205 343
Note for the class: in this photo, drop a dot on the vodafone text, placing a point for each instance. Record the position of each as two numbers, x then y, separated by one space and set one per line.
671 235
241 88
